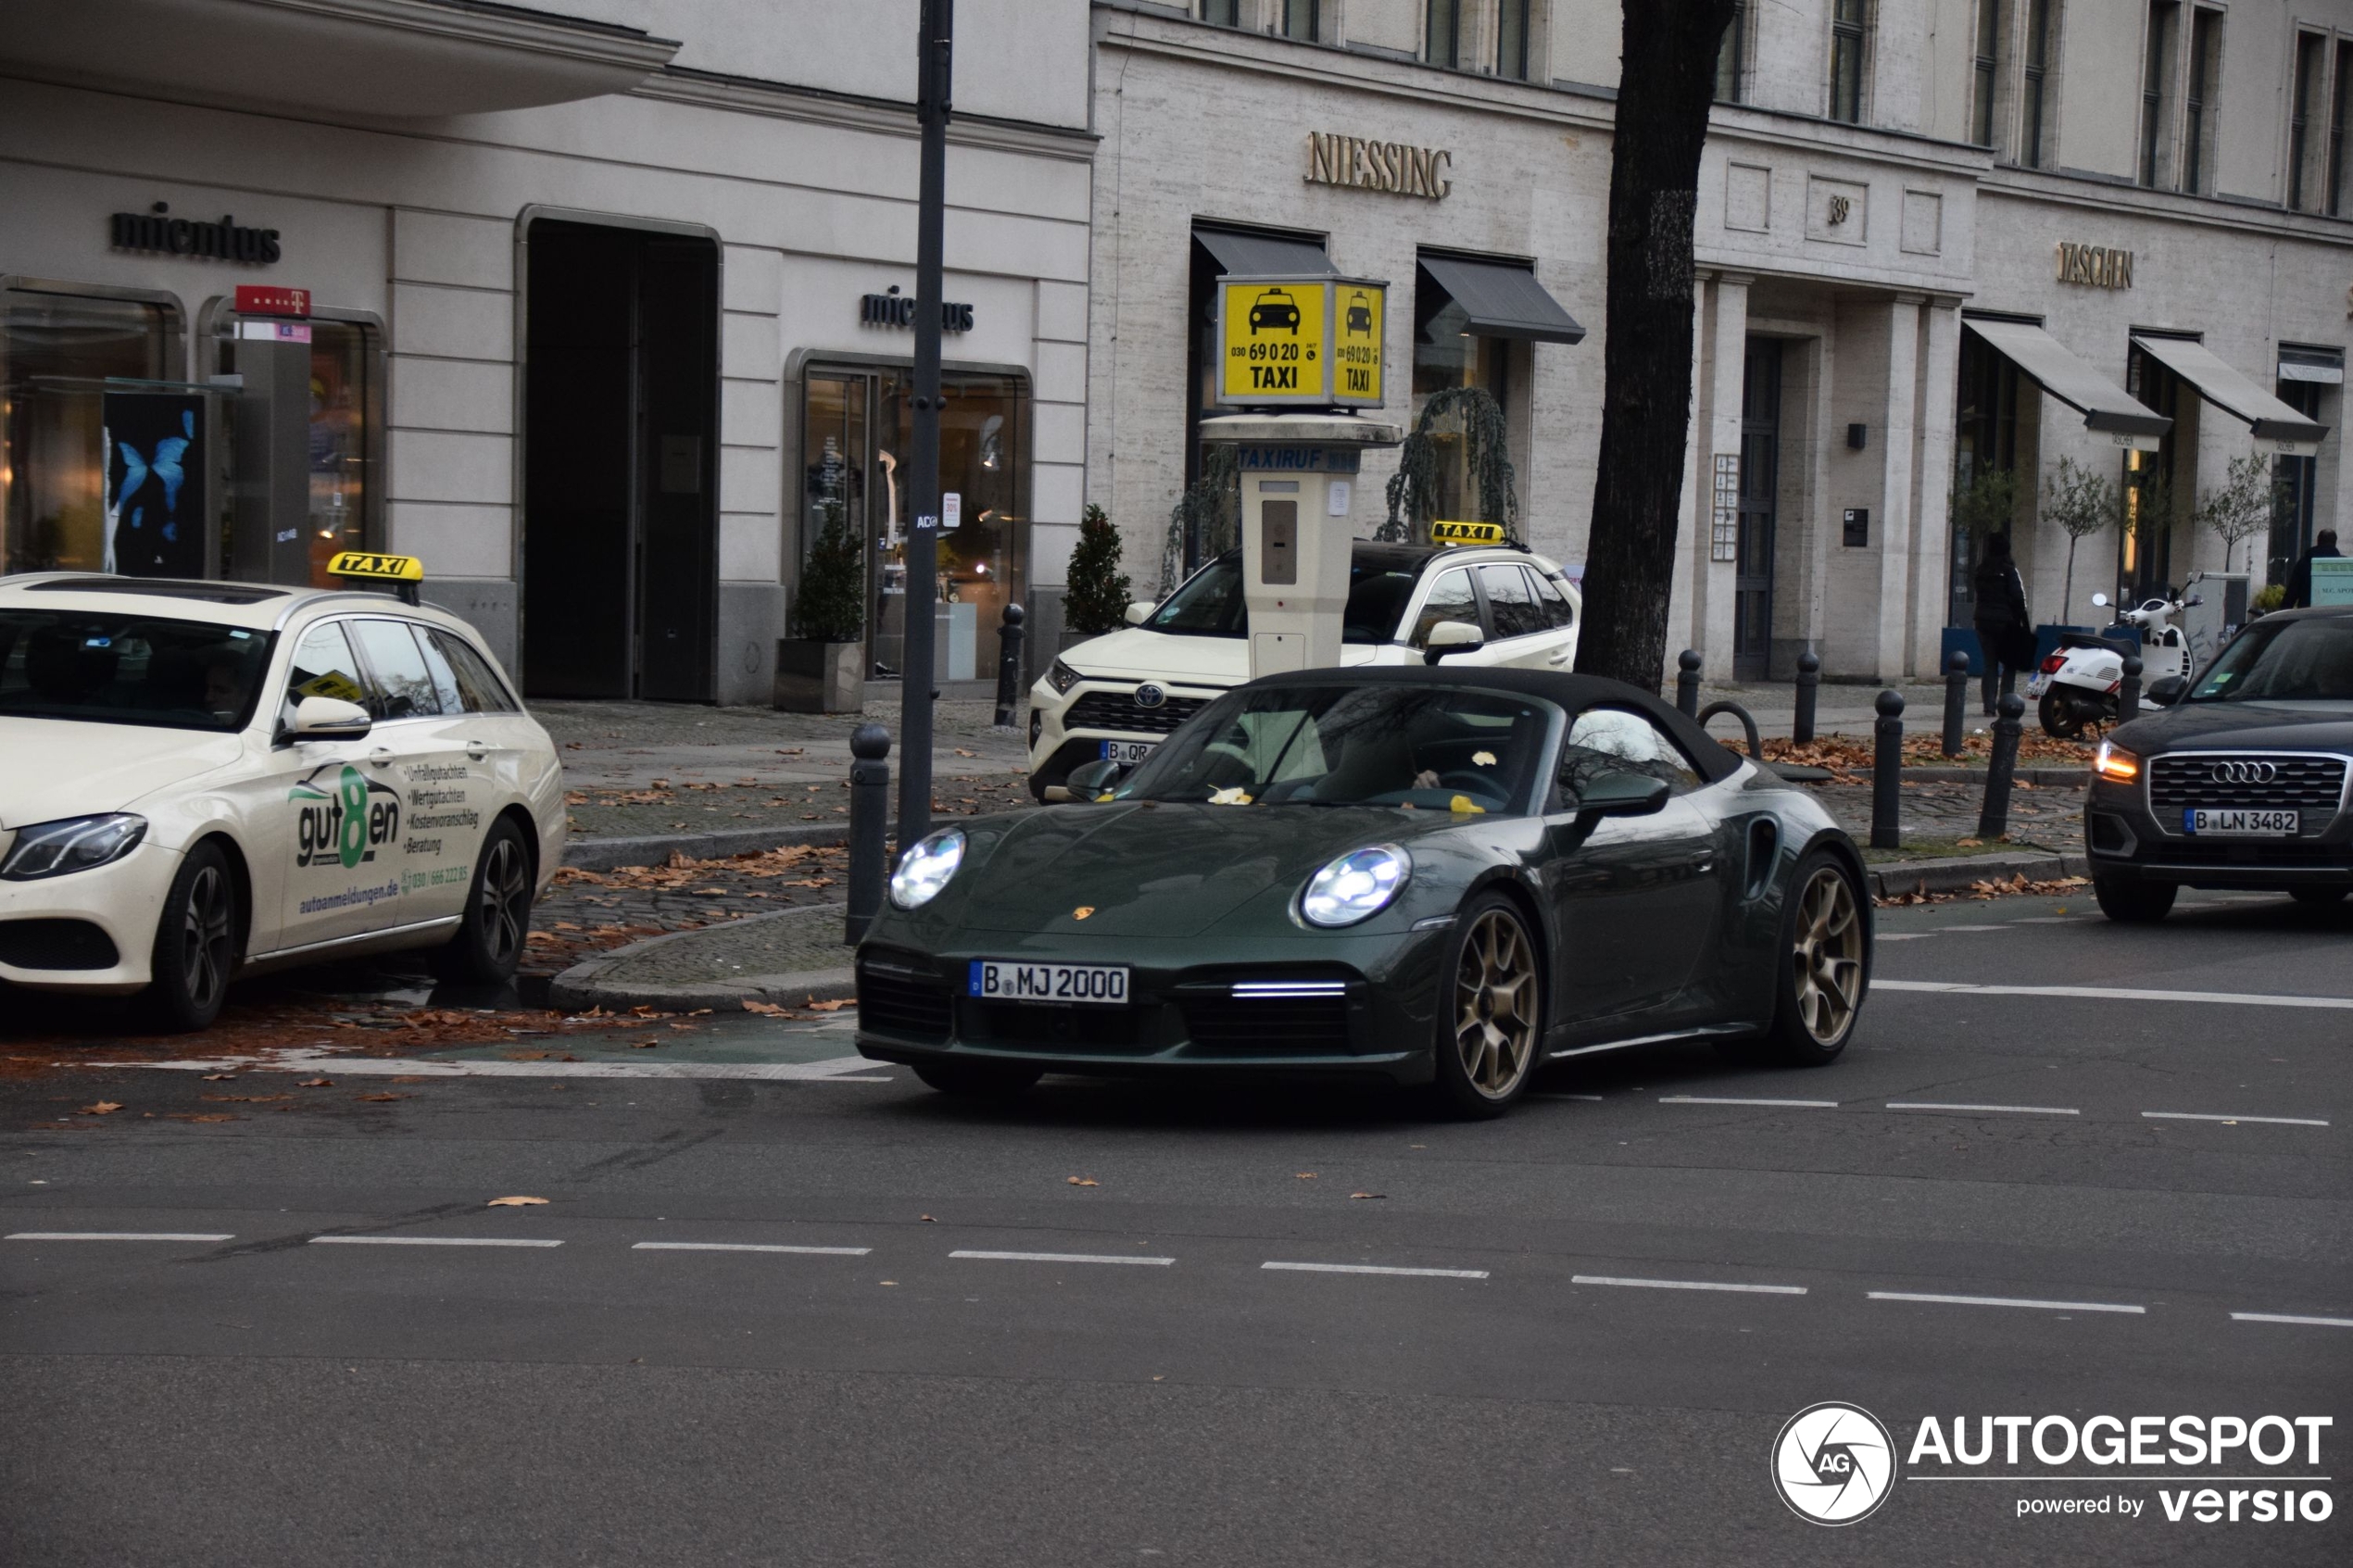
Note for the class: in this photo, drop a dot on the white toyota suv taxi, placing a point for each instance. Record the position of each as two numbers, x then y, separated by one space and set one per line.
204 779
1117 695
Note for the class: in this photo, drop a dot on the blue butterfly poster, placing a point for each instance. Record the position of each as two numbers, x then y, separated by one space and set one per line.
157 512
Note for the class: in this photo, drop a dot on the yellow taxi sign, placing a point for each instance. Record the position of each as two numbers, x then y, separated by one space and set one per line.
1466 533
376 568
1307 340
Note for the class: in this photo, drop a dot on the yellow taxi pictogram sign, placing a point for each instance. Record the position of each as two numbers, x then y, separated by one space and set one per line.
1466 533
1310 340
378 568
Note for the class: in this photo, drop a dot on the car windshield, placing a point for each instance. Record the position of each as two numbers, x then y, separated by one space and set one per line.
2286 661
107 668
1210 602
1417 747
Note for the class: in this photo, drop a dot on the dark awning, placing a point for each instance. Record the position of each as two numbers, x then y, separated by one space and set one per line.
1259 255
1502 300
2105 405
2229 391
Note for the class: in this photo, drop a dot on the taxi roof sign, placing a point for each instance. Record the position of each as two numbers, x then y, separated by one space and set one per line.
1443 532
1300 340
404 572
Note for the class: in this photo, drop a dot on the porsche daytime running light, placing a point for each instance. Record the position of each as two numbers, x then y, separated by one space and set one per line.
924 869
1356 887
73 843
1062 677
2115 762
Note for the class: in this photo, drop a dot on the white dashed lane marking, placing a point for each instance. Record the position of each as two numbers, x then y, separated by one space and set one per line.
2292 1318
1688 1285
2211 1116
119 1236
2116 994
1735 1100
2003 1301
748 1247
1061 1257
429 1241
2007 1109
1376 1269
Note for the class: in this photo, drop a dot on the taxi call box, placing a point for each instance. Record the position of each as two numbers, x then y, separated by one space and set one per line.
1301 340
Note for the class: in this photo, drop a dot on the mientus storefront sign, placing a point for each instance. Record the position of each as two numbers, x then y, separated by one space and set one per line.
1392 167
156 230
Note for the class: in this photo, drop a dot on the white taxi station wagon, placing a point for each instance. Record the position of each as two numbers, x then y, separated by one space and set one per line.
1117 695
200 780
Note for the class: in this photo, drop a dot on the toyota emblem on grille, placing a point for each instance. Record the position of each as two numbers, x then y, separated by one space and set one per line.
1151 696
2245 772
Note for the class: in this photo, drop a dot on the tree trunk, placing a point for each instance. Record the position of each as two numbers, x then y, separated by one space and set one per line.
1665 87
2066 597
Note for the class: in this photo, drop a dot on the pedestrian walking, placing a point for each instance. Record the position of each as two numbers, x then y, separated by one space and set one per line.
2004 630
2300 576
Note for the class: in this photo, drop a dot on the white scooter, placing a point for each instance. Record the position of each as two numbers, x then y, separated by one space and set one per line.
2078 682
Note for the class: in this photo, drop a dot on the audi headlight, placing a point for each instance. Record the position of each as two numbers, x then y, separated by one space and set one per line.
2115 762
924 869
1062 677
1356 887
73 843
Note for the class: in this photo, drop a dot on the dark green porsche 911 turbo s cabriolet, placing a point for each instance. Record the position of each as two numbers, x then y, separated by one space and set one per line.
1437 876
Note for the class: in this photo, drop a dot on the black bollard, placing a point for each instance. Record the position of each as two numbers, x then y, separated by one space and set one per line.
1994 820
2128 691
1956 702
1887 773
1809 685
1009 638
869 822
1687 682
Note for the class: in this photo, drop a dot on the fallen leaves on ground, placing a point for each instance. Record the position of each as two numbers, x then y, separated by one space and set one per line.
316 1083
381 1097
1082 1181
1369 1194
834 1006
770 1009
243 1099
199 1116
514 1202
1307 1175
1986 888
644 1045
104 1108
220 1077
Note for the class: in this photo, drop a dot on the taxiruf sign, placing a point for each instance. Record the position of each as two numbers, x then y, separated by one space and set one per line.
1301 340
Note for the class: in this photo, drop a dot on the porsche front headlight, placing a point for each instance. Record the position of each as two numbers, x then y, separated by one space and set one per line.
73 843
1356 887
924 869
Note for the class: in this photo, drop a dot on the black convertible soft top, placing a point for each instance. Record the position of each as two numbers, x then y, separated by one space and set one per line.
1574 693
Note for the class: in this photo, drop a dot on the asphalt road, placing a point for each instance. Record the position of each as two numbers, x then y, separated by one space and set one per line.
1609 1304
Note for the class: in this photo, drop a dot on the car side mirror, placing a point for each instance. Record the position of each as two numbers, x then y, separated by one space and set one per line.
1089 780
1452 637
2166 690
1621 794
329 718
1140 611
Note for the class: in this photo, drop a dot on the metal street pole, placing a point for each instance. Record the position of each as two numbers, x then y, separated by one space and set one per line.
935 60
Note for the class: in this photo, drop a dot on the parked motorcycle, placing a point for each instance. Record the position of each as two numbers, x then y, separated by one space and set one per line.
2079 683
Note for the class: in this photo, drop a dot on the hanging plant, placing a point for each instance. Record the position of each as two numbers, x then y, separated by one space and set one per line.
1209 514
1413 488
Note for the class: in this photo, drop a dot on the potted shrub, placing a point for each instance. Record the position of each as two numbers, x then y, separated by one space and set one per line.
823 671
1095 601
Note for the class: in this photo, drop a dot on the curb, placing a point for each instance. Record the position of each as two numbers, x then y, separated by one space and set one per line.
586 984
654 849
1961 872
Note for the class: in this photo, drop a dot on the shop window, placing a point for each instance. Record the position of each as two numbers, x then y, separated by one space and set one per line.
1447 355
857 427
58 351
2152 483
1985 442
2157 90
2297 481
1731 56
343 411
1848 38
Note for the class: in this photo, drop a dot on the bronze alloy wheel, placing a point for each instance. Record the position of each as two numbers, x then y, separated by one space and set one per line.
1495 1003
1828 956
203 938
506 900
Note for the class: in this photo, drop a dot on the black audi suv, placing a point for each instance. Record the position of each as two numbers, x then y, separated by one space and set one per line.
2241 781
